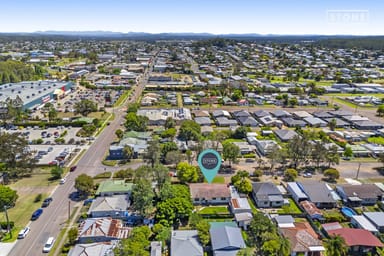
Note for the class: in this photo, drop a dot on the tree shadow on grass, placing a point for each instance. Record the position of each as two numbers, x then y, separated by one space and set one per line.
380 170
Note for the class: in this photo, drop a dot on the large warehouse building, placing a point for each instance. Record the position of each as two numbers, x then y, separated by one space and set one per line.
35 93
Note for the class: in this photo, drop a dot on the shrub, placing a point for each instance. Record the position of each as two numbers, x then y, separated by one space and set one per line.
104 175
38 198
4 224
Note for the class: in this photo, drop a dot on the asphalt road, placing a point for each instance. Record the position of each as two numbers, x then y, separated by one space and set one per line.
55 215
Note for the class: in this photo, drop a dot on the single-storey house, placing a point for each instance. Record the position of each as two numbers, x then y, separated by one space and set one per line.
203 121
243 219
357 195
226 241
94 249
261 113
285 135
205 194
200 113
311 210
339 123
245 147
267 195
115 206
359 241
290 122
303 239
221 113
279 113
360 221
247 121
264 147
94 230
296 192
376 218
270 121
367 125
322 114
318 193
301 114
315 121
241 113
225 122
186 243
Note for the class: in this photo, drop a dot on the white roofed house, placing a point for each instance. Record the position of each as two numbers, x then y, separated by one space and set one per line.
113 206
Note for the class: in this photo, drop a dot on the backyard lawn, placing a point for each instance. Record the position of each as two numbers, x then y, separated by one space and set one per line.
214 210
292 208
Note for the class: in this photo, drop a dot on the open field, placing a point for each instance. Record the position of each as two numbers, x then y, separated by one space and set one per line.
27 190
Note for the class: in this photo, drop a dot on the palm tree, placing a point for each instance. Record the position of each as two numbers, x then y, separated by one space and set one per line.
335 246
128 152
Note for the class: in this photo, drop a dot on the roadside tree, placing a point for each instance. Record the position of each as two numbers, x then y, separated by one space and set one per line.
84 183
8 197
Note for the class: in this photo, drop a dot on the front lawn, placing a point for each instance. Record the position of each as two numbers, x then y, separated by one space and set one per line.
292 208
217 180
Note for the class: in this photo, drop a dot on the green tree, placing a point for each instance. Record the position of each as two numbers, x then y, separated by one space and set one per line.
169 133
152 153
332 124
160 175
169 123
167 147
189 130
348 152
299 150
56 172
380 110
174 210
187 173
335 246
331 174
241 182
8 197
85 107
136 122
128 152
14 154
203 232
142 197
72 235
293 101
241 132
319 153
136 244
119 133
174 157
332 156
230 152
84 183
52 114
290 175
161 233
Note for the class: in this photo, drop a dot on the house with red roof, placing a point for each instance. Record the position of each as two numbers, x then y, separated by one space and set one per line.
359 241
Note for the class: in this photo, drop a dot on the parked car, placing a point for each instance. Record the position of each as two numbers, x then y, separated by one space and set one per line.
36 214
73 168
307 175
47 201
23 233
62 181
49 244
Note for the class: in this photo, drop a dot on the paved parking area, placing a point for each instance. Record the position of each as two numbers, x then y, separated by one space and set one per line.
34 134
48 153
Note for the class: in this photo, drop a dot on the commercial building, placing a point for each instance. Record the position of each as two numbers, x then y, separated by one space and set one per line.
35 93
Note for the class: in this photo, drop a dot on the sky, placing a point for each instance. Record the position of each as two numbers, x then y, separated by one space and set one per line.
325 17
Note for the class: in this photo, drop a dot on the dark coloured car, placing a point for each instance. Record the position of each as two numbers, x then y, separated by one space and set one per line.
73 168
47 201
36 214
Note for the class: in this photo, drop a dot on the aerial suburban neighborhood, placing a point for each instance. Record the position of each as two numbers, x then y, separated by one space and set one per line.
186 144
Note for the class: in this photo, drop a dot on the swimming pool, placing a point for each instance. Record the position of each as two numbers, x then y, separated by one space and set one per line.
348 212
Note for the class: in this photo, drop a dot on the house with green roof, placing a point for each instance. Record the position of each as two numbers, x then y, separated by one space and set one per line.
114 187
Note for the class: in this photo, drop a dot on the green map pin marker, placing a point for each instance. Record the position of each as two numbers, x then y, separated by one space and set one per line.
209 162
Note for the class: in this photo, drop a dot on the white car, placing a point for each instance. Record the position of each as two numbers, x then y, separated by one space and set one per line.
23 233
62 181
49 244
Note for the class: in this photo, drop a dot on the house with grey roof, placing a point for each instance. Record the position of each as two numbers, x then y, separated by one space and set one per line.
267 195
264 147
185 243
285 134
94 249
322 114
339 122
270 121
221 113
225 122
247 121
358 195
367 125
301 114
315 122
203 121
226 240
279 113
113 206
291 122
376 218
261 113
241 113
318 193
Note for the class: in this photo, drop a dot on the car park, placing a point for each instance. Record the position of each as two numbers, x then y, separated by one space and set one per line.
49 244
47 201
23 233
36 214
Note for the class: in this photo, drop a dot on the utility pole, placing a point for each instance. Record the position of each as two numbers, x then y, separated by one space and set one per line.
358 171
69 210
